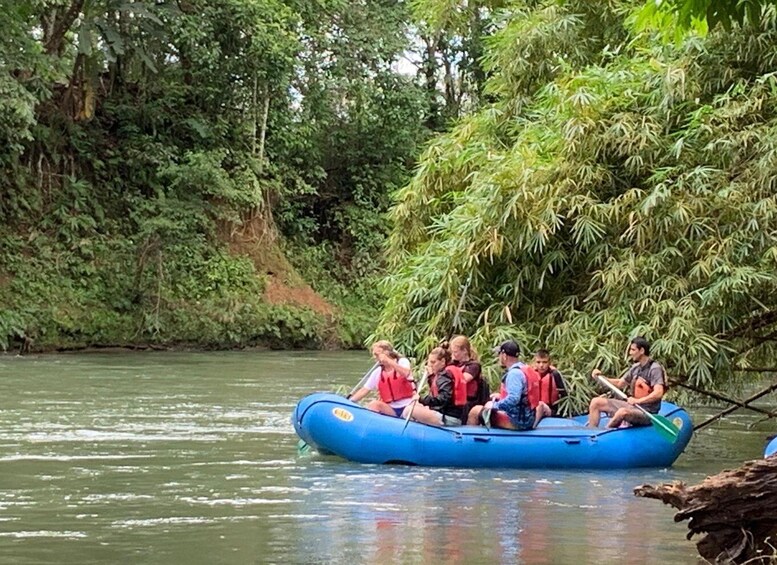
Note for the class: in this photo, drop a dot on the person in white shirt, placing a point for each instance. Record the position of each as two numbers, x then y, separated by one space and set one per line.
392 379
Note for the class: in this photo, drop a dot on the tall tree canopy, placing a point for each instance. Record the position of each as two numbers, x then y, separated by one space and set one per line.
616 187
140 139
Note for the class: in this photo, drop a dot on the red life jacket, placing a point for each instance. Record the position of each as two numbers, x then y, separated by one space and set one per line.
548 388
459 385
393 387
532 390
473 386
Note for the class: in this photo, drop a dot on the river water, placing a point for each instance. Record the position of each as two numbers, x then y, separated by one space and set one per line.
191 458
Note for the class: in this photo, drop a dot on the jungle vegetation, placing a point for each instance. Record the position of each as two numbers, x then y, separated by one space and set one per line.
178 172
579 172
620 181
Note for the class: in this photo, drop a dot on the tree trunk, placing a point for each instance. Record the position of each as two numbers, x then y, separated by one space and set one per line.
429 69
474 49
449 86
57 26
254 112
735 509
263 125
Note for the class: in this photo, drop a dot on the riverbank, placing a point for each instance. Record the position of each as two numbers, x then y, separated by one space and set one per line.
251 324
115 293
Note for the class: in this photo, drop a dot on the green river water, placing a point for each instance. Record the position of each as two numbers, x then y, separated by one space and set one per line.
191 458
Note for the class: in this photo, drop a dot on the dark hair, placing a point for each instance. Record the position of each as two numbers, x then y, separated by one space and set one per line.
542 354
642 344
509 348
441 353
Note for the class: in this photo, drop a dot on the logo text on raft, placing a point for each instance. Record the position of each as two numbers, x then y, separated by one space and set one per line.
678 423
342 414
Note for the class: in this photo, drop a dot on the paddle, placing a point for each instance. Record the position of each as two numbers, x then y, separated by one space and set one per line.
665 428
412 405
363 380
486 415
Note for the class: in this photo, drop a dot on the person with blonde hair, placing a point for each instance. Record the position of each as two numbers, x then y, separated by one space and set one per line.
392 379
464 355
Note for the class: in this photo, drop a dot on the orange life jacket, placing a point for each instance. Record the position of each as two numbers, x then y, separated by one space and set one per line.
641 388
393 387
459 385
532 388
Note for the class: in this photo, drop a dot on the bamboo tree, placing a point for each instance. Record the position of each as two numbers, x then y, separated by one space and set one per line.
619 189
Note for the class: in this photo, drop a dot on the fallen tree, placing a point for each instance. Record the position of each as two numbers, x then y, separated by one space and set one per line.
735 510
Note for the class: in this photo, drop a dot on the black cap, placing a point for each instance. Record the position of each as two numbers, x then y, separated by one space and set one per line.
509 348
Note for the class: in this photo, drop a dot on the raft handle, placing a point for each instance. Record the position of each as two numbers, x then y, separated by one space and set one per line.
482 438
572 441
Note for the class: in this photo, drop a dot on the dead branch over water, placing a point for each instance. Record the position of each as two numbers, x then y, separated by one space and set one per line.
736 510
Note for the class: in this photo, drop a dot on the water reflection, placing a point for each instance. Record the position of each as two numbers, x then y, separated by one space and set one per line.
191 458
405 515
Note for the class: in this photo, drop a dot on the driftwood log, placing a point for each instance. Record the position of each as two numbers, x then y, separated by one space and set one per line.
736 509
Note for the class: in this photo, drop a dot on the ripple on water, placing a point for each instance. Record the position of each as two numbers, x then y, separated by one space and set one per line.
297 516
88 435
115 496
21 457
276 463
234 501
377 505
284 490
178 520
43 534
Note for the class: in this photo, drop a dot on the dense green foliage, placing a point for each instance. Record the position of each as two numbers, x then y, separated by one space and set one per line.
678 16
616 187
160 158
167 164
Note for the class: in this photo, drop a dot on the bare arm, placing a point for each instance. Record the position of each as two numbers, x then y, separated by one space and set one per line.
359 394
469 377
393 364
620 383
370 385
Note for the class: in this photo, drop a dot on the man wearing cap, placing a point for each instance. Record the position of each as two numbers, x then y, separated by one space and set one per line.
511 408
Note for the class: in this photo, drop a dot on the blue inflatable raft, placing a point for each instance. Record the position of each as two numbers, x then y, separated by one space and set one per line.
334 425
771 448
